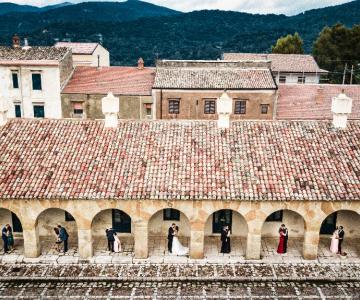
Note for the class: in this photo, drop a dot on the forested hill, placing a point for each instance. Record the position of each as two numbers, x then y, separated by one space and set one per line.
173 35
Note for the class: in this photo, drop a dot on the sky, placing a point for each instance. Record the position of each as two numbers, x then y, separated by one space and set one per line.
288 7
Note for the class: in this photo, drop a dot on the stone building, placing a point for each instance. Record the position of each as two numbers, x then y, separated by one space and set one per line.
87 54
31 79
139 176
286 68
81 97
190 89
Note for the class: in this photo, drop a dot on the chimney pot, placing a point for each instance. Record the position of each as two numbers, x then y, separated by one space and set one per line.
110 108
26 44
224 110
140 63
341 107
16 41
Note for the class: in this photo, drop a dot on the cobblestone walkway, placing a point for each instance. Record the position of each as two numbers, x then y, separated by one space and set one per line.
179 291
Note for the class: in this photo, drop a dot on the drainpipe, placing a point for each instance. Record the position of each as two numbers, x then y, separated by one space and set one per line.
22 109
161 104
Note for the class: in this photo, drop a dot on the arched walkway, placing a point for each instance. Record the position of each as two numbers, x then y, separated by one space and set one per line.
213 227
121 223
158 227
295 224
45 224
350 220
9 217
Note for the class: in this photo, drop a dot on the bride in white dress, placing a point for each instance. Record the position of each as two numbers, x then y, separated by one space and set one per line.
334 246
177 248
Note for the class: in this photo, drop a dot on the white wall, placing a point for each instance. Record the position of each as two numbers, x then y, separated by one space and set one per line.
292 78
92 59
49 96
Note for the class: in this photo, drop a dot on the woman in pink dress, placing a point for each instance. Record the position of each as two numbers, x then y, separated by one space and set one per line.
334 246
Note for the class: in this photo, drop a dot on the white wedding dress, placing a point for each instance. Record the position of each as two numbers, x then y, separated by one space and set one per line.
177 248
334 246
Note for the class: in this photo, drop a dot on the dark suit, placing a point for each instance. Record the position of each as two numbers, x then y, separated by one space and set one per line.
170 239
286 237
111 239
225 242
341 238
5 239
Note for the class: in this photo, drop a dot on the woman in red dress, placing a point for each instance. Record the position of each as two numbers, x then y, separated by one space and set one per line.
280 248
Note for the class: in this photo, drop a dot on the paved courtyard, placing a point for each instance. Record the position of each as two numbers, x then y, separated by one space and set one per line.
158 252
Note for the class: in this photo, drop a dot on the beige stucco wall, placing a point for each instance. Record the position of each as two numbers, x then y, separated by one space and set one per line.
293 221
159 227
102 221
92 59
239 226
53 217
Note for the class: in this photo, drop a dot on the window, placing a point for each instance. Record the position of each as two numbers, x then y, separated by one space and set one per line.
39 111
240 107
17 110
148 110
69 217
171 214
36 82
209 107
78 109
15 80
282 79
174 106
220 219
121 222
301 79
16 224
275 217
264 108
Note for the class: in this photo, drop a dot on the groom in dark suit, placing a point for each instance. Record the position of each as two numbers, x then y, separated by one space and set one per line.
341 234
171 236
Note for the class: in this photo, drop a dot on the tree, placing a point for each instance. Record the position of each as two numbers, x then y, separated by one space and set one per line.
290 44
337 47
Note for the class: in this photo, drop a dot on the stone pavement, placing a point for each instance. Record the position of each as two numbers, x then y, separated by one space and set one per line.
158 252
179 290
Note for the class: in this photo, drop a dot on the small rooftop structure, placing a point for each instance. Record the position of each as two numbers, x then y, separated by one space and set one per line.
78 48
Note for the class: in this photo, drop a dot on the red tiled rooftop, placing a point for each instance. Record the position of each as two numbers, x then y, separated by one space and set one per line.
78 48
118 80
262 160
313 102
281 62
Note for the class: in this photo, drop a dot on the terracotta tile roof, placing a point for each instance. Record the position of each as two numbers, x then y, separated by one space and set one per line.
298 63
213 77
118 80
262 160
32 56
79 48
309 101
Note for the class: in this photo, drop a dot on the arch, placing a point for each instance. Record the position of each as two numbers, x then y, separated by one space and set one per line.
350 220
120 221
296 225
45 223
213 225
158 225
8 216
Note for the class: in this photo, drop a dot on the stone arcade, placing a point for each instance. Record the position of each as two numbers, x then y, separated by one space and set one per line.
201 174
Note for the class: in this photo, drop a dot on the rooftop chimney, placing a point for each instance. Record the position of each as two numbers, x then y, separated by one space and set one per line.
140 64
16 41
26 44
341 107
3 111
224 109
110 108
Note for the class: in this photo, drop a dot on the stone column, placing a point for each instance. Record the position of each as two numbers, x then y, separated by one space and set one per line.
197 236
253 245
31 242
85 243
311 243
141 237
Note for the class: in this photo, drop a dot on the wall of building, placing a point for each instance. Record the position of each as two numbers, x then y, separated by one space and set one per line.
103 221
92 59
66 69
291 78
131 107
293 221
159 227
350 221
25 96
192 103
239 226
53 217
